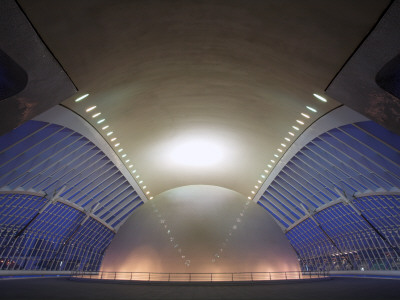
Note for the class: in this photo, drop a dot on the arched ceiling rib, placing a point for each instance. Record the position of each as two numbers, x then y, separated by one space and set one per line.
236 73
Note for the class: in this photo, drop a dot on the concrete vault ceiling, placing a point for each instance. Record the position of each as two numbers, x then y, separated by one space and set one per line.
230 76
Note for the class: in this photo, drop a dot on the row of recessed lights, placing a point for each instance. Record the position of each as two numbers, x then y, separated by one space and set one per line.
284 145
100 121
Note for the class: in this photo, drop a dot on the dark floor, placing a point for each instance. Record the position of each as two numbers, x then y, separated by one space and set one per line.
337 289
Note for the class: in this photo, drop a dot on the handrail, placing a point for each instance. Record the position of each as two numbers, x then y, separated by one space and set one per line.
200 277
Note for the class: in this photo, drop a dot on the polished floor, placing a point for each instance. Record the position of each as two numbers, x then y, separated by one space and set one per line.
335 289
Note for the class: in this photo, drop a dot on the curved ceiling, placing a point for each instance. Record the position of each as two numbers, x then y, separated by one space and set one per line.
227 78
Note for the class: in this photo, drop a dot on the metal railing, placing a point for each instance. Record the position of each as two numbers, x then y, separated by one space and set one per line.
199 277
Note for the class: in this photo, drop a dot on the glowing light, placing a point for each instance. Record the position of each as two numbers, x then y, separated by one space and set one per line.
120 150
266 171
105 127
144 187
259 181
276 155
291 133
110 133
197 152
141 181
81 98
283 145
272 161
148 192
96 115
320 98
91 108
137 176
305 115
151 198
312 109
133 171
128 160
287 139
100 121
253 192
113 139
263 176
300 122
130 166
123 155
117 144
280 150
249 198
296 128
269 166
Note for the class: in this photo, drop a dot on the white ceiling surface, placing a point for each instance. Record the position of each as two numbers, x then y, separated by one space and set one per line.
233 75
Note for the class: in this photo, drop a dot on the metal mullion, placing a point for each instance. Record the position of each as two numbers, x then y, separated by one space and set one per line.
331 164
282 204
345 168
308 161
298 164
268 207
112 172
278 186
25 137
305 184
290 189
98 174
370 148
120 214
42 171
32 158
112 185
63 166
79 170
279 207
362 164
297 187
127 194
275 186
111 198
42 161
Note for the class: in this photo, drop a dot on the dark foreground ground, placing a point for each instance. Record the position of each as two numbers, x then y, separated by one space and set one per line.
335 289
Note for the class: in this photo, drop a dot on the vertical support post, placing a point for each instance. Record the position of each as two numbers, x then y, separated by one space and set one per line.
115 275
131 276
169 277
211 277
270 276
149 276
285 276
190 277
251 276
232 276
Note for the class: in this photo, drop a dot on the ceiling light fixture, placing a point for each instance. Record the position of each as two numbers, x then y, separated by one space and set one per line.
272 161
113 139
133 171
91 108
249 198
141 181
144 187
110 133
266 171
280 150
120 150
287 139
117 144
81 98
300 122
305 115
269 166
253 192
291 133
100 121
283 145
256 186
123 155
263 176
151 198
96 115
130 166
276 155
105 127
128 160
296 128
312 109
137 176
320 98
259 181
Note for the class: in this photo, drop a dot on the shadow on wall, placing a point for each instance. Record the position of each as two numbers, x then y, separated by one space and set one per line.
200 228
